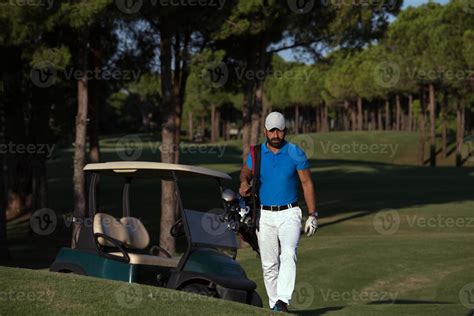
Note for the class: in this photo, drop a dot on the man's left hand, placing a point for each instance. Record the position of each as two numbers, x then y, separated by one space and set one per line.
311 226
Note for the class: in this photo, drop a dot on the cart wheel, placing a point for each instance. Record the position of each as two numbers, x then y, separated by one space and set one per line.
198 288
256 300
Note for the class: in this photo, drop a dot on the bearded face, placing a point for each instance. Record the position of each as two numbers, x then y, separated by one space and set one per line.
275 137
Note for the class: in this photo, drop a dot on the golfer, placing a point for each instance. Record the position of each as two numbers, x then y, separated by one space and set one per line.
282 165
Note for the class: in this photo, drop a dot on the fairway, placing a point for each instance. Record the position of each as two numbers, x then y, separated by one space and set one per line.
394 238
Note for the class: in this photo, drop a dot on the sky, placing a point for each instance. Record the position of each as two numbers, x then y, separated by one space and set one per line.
288 55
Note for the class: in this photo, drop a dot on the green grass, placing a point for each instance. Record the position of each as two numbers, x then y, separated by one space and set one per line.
421 262
40 292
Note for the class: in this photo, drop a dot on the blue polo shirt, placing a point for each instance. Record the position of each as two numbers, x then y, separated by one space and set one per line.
278 173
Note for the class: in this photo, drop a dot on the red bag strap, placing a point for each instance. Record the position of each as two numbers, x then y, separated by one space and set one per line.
252 154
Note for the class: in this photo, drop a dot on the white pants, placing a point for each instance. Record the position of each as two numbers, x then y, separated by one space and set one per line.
278 239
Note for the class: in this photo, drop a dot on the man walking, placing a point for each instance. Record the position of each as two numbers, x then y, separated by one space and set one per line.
282 164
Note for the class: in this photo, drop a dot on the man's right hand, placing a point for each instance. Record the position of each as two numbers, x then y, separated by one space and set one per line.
244 189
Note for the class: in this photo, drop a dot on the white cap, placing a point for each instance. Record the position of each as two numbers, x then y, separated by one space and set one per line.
275 120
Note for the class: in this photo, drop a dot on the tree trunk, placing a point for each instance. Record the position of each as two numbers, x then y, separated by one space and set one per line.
379 118
261 58
359 114
94 100
399 113
410 110
421 148
247 108
190 126
444 126
317 120
213 124
80 140
460 121
218 124
346 115
372 118
168 132
353 118
325 118
365 126
387 115
432 126
93 126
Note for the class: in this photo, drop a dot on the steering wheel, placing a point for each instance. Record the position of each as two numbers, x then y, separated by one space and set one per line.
177 230
155 250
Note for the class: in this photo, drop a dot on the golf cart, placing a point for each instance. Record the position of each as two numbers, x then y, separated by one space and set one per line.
119 248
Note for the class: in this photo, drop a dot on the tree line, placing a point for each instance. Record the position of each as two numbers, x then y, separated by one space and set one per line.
100 65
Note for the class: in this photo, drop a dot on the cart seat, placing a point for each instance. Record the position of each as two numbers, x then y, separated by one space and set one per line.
133 234
149 260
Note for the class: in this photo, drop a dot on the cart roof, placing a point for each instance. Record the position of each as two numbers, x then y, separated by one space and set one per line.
145 169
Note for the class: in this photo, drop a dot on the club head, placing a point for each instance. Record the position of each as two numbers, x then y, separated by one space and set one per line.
228 195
